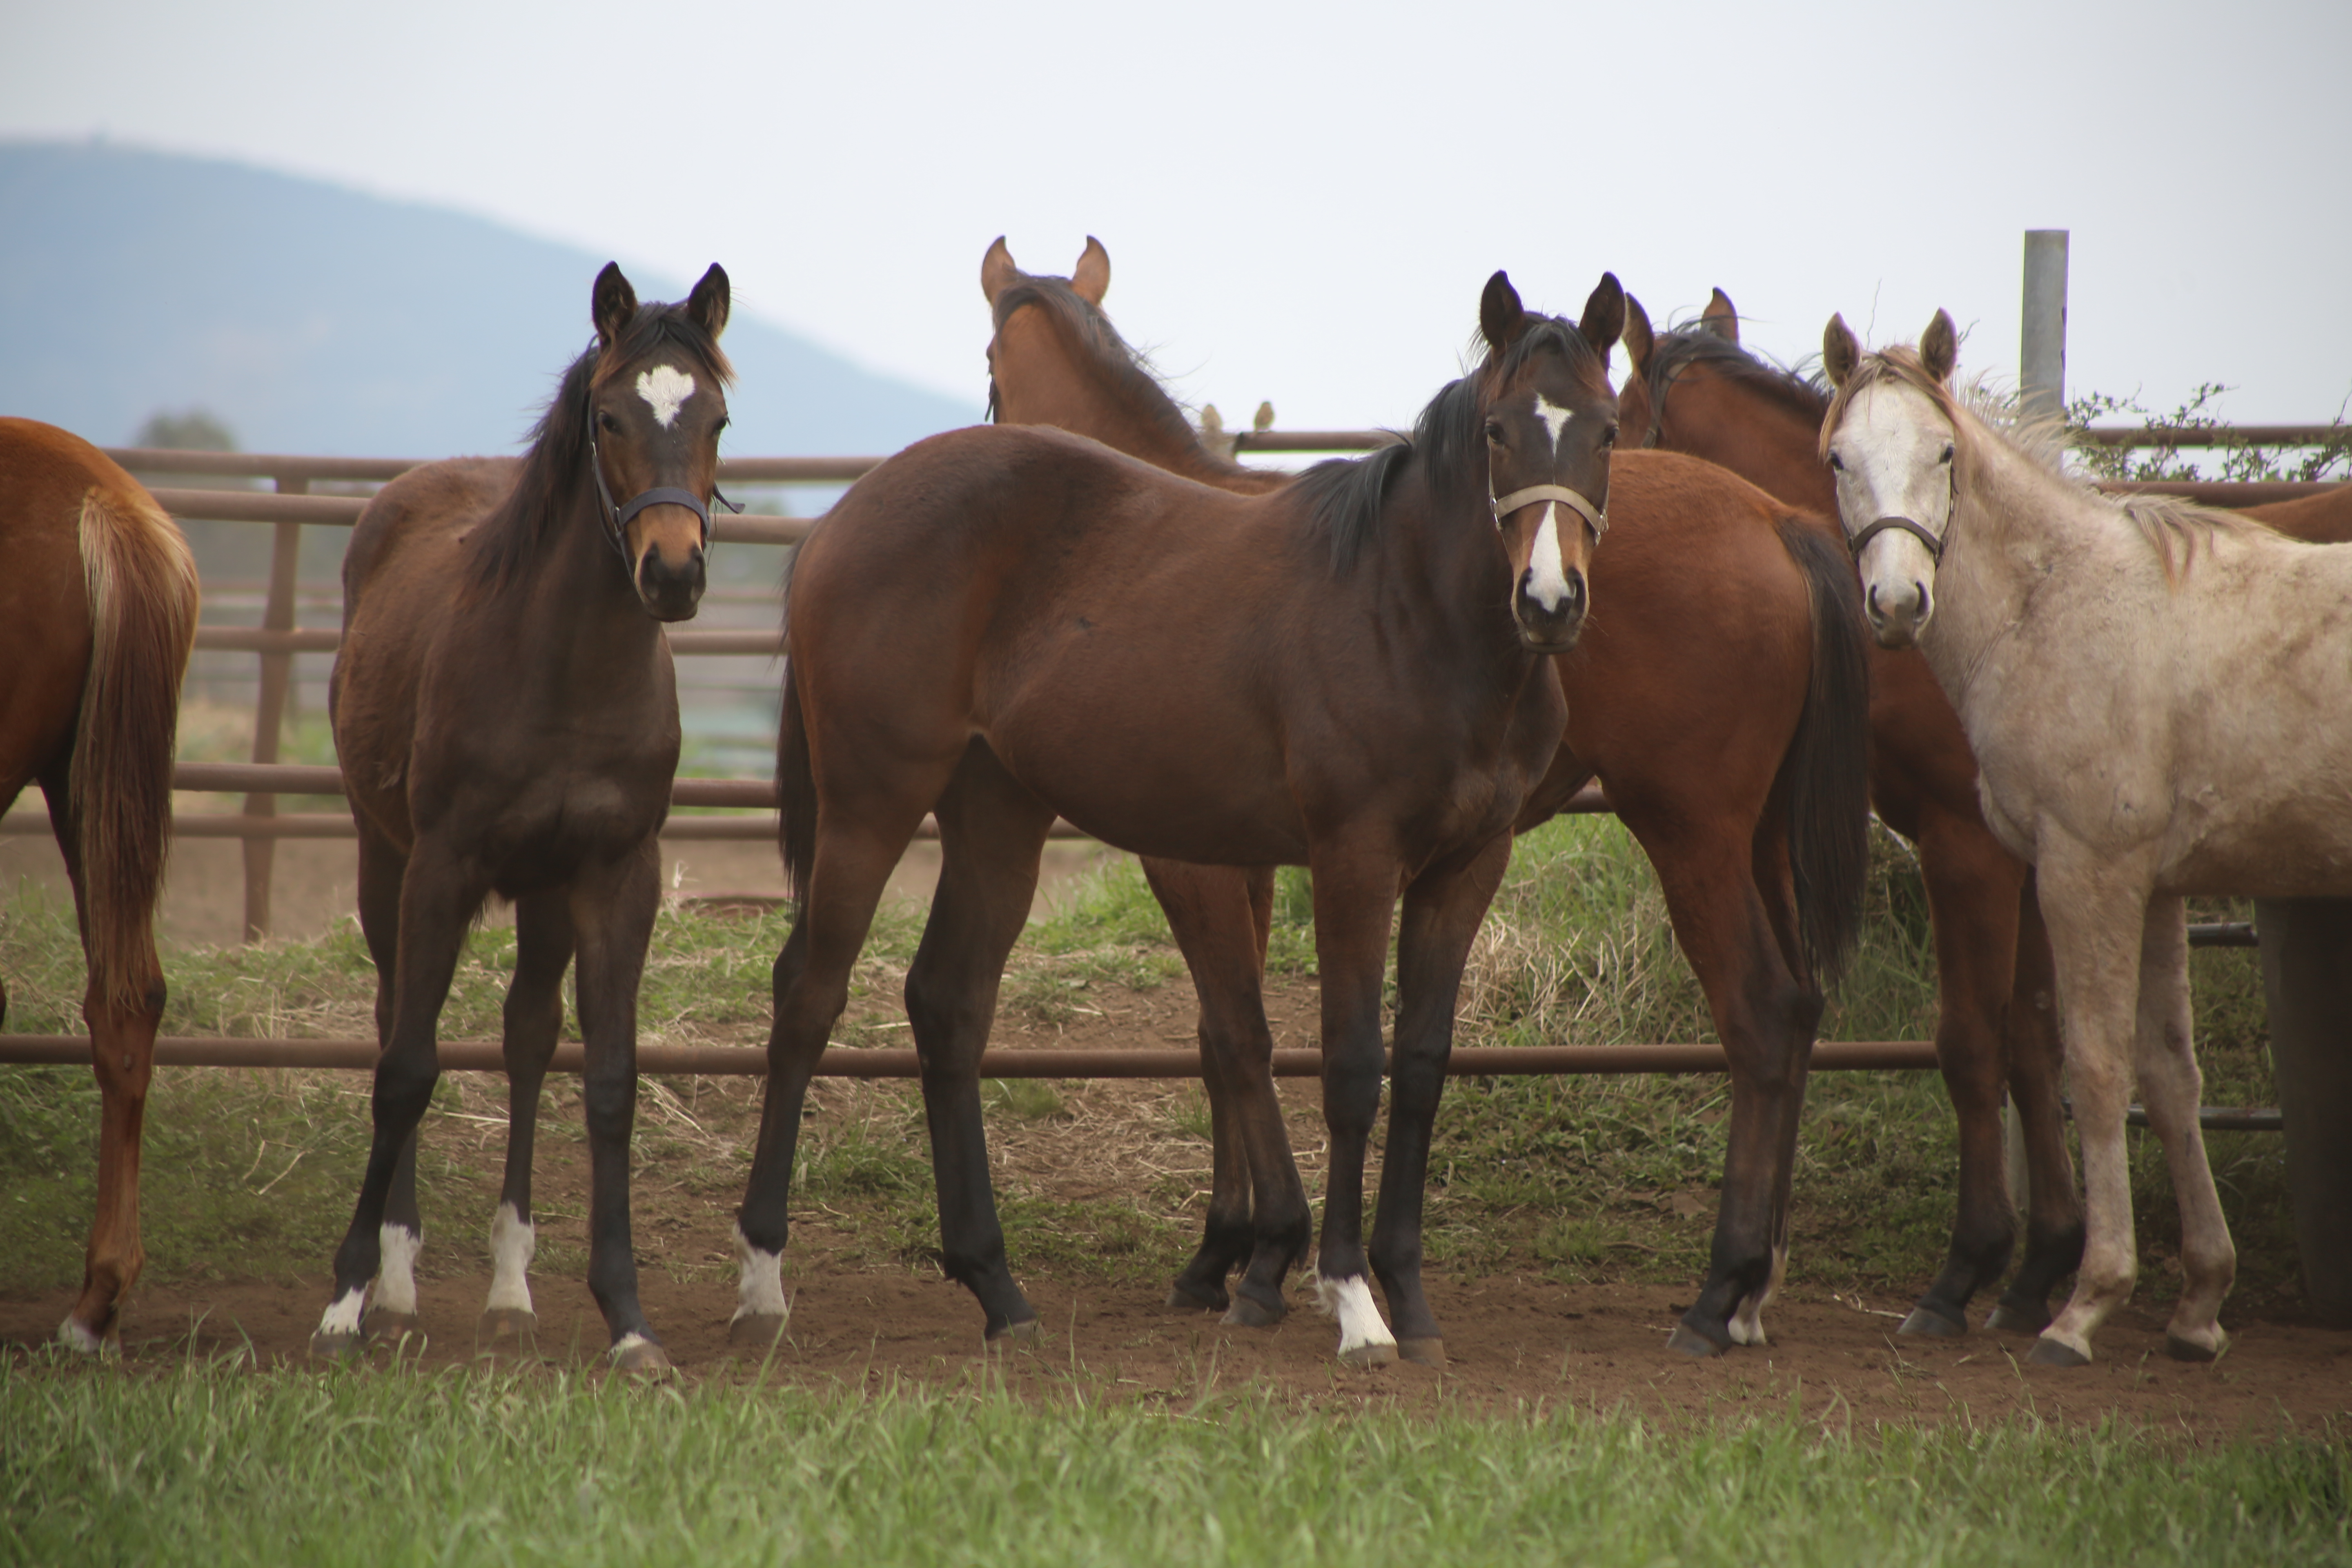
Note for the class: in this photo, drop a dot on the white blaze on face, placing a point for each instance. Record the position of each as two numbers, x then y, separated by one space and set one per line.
1351 1302
664 389
395 1273
1547 569
513 1239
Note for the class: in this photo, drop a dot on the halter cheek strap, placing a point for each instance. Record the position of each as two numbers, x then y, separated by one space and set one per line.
1901 525
616 519
1593 516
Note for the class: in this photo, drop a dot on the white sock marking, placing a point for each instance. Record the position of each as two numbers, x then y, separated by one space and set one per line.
665 388
513 1240
1747 1321
1547 572
73 1336
628 1343
759 1291
342 1319
1351 1302
395 1270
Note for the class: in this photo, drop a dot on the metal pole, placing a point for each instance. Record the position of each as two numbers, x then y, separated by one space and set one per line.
2041 376
269 711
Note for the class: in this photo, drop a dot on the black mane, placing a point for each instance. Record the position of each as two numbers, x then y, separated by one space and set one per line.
1678 350
1128 371
1344 495
555 483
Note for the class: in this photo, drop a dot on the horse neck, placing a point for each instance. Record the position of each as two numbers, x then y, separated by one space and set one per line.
1439 555
579 632
1767 445
2012 531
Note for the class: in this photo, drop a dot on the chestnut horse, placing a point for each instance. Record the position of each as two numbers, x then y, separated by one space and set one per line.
507 719
97 611
1736 759
1002 624
1696 390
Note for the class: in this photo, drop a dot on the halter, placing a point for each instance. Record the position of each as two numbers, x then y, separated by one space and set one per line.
1900 524
1503 506
616 519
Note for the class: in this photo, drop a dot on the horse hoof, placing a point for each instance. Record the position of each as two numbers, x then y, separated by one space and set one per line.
1249 1311
390 1326
1689 1341
2179 1349
637 1354
1368 1355
2048 1352
508 1328
1430 1351
334 1346
2012 1319
758 1330
1930 1323
1183 1298
75 1337
1021 1335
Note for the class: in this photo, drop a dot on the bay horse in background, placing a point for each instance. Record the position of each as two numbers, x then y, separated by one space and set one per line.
98 612
1003 623
1698 390
2153 692
506 715
1718 699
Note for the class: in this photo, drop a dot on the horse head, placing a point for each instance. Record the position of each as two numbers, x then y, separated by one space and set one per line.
1892 442
656 402
1550 418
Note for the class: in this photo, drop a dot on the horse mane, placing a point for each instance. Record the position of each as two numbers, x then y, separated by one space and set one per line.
1678 350
1126 369
555 483
1345 495
2173 526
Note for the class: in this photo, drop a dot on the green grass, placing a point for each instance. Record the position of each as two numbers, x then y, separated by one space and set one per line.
216 1463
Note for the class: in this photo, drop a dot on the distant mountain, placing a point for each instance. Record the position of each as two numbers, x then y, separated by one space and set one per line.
313 319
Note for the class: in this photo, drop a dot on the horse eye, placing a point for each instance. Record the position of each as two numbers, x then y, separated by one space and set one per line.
606 422
723 423
1947 457
1837 462
1495 431
1610 439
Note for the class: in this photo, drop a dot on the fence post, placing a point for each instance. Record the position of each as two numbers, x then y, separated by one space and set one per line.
2042 361
269 709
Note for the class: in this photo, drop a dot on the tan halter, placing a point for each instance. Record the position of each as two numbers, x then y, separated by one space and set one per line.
1594 516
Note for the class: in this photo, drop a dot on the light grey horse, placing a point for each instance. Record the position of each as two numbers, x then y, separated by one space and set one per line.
2159 697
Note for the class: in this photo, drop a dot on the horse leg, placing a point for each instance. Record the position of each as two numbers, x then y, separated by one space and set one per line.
613 908
400 1240
2164 1050
1766 1017
2037 1056
1442 908
1257 1206
2096 905
858 845
437 901
992 831
1973 887
123 1055
1355 895
534 1018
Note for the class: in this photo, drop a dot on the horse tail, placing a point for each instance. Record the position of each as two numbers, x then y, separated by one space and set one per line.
1826 774
796 792
141 584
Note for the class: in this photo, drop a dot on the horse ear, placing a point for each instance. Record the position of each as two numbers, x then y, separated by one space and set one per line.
612 304
706 307
1721 317
1640 342
1840 352
1501 317
1604 322
1091 278
997 271
1939 346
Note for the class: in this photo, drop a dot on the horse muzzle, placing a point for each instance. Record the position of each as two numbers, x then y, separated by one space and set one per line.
1554 627
669 583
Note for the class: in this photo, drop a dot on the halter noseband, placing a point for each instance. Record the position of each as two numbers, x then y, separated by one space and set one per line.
1593 516
616 519
1901 525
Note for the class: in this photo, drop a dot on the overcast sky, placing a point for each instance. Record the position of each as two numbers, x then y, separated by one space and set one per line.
1301 203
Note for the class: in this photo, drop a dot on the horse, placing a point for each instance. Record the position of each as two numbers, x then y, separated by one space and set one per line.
98 612
506 714
1698 390
1736 760
1006 623
2154 694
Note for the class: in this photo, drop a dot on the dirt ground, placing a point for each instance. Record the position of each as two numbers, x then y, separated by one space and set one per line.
865 1317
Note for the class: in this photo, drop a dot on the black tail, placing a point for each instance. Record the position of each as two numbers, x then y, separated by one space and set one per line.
796 792
1827 770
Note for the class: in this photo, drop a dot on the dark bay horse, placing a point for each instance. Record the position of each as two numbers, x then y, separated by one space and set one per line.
1698 390
1004 623
506 720
97 611
1735 758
